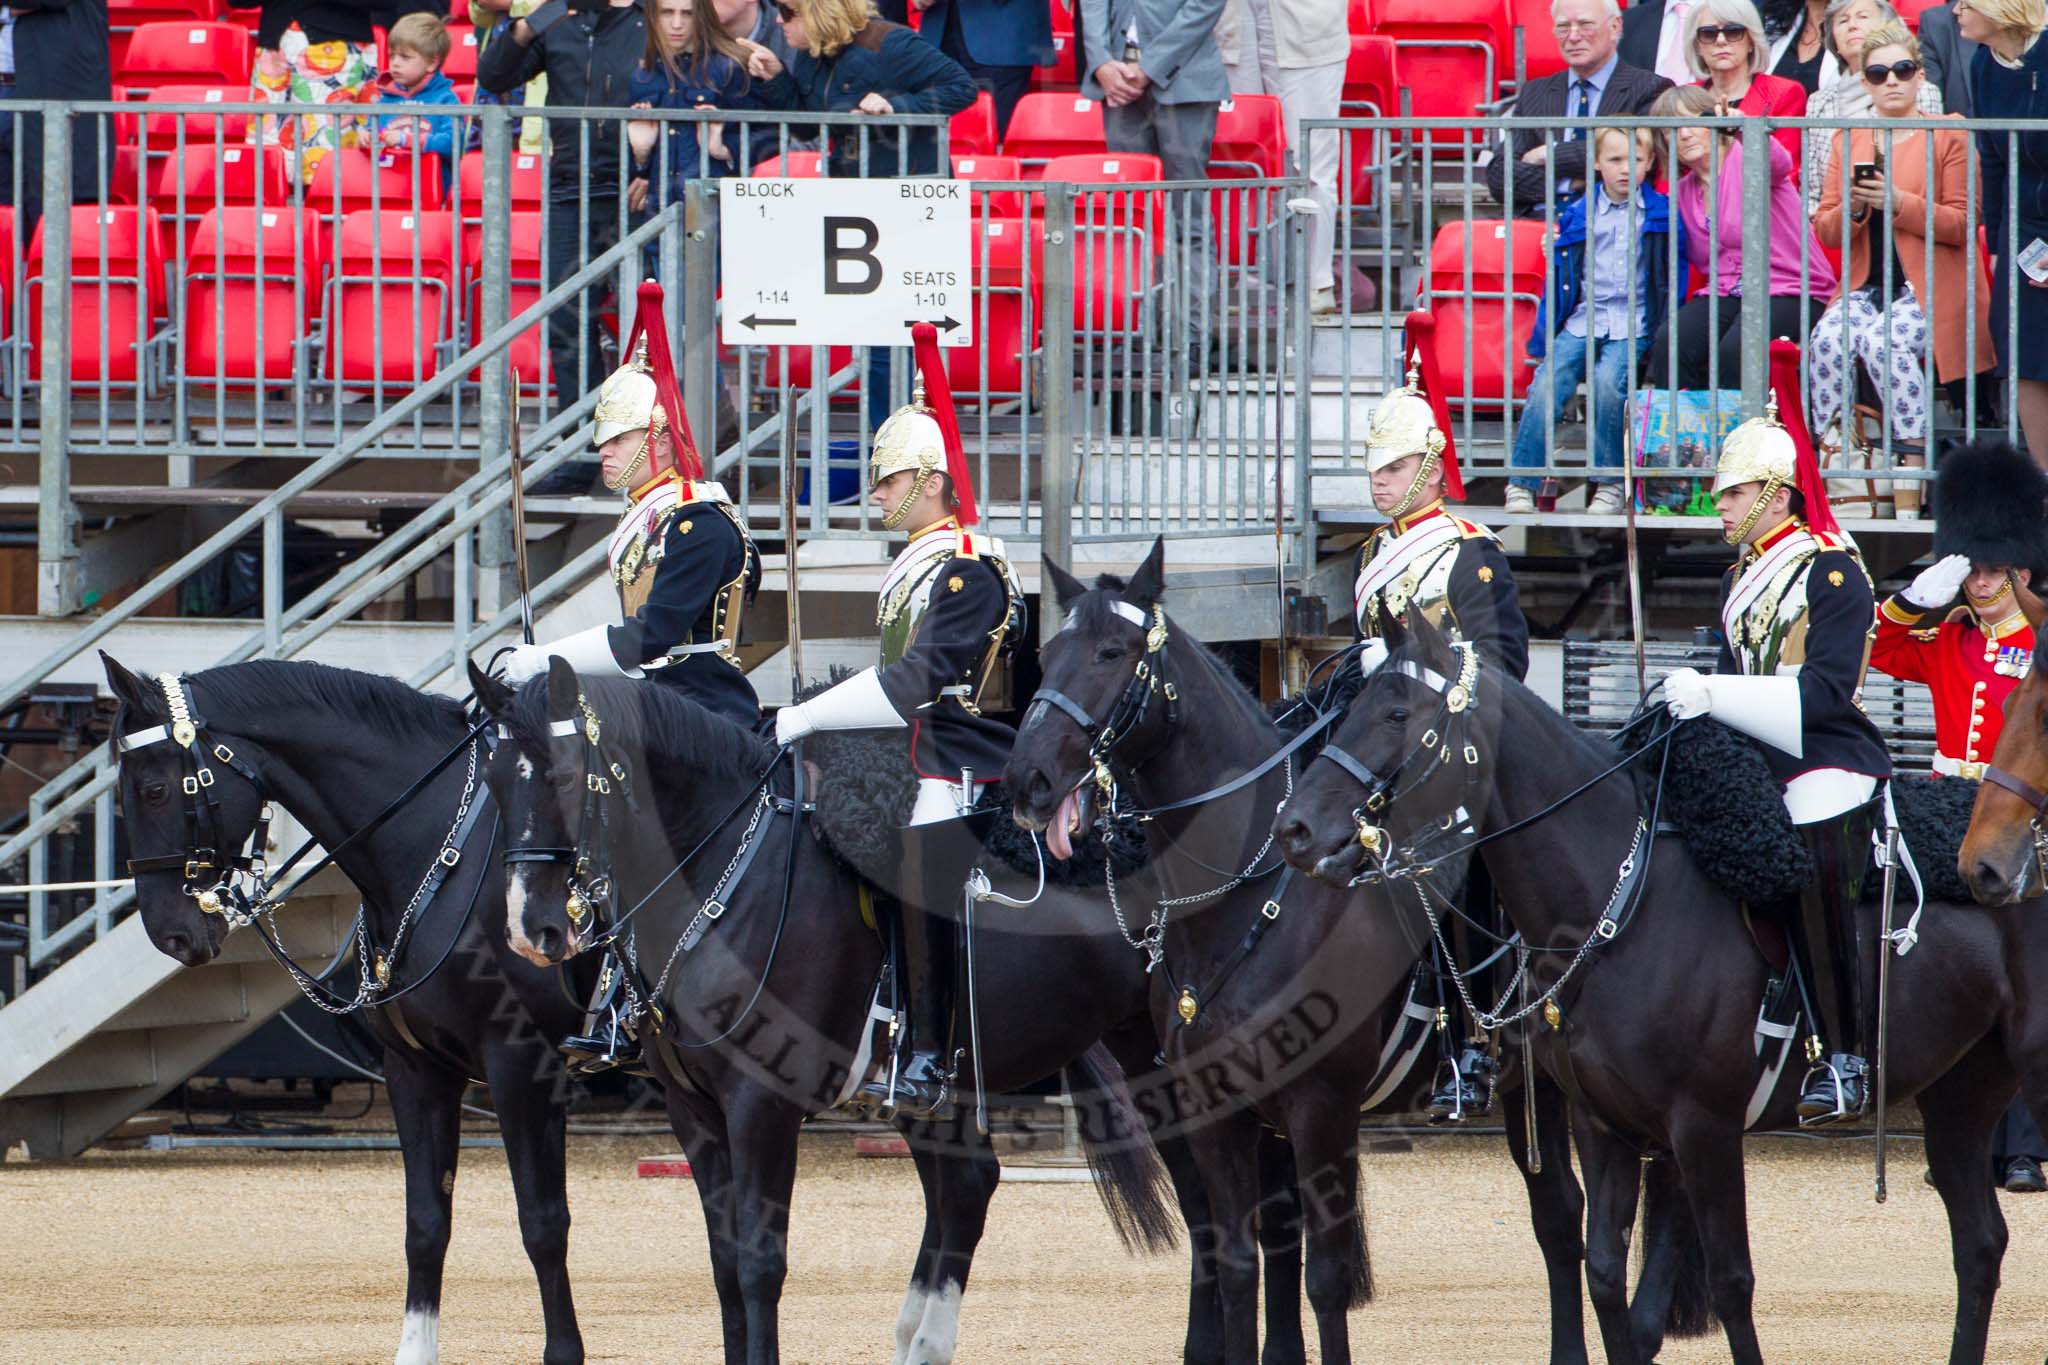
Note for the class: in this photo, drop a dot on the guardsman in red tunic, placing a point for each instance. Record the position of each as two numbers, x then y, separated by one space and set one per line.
1989 537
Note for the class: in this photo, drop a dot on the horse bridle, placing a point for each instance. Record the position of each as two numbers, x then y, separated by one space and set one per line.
592 890
1454 700
237 886
1132 705
2036 801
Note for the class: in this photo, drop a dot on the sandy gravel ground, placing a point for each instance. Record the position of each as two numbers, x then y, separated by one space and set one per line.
268 1256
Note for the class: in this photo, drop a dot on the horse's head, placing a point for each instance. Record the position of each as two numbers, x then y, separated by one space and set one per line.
560 789
188 812
1405 754
1101 698
1998 861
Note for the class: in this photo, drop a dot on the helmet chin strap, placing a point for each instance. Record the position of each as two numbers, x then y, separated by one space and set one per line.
640 456
901 512
1414 493
1756 510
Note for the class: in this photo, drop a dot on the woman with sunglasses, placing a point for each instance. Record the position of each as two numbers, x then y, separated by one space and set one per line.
1877 183
1849 22
1726 50
2008 83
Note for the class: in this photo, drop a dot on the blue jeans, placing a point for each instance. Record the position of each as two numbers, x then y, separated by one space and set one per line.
1555 381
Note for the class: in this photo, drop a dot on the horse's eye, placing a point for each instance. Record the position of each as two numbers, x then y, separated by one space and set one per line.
1109 654
154 793
1398 716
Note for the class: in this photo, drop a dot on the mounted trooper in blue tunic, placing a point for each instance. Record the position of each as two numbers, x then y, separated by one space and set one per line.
950 612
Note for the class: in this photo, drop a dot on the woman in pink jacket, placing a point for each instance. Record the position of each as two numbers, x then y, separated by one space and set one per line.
1708 197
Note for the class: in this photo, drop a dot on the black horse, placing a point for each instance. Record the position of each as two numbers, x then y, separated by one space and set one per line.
764 1001
1651 1025
1273 994
332 747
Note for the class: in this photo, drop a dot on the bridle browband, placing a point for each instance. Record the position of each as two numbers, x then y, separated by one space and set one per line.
1454 699
1132 705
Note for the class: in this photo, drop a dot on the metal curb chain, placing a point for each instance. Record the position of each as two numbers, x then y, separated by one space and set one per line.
705 913
1152 942
372 983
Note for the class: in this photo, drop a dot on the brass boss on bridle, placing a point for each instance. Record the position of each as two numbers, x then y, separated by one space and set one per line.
1454 701
1132 705
592 890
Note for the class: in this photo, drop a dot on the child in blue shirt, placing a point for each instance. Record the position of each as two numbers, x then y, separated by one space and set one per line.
419 44
1594 318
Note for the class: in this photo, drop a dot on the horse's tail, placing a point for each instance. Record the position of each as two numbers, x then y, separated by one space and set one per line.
1691 1313
1129 1175
1361 1257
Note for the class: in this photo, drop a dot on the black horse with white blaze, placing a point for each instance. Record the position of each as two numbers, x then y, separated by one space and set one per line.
200 757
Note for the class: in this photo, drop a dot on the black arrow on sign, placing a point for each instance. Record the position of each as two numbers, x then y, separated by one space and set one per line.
943 324
752 321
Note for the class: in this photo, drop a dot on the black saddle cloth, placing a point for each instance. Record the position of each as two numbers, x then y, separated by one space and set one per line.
1934 815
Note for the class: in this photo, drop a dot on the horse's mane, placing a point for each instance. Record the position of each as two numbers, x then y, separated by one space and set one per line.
1093 611
651 718
262 684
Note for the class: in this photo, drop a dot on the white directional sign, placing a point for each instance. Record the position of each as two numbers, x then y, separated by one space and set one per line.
844 262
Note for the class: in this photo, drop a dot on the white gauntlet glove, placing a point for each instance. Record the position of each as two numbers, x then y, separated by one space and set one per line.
587 651
523 662
1764 708
1938 583
1686 694
859 703
792 723
1371 654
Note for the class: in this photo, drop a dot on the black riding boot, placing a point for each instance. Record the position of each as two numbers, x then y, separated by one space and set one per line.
1466 1073
921 1063
1824 935
605 1042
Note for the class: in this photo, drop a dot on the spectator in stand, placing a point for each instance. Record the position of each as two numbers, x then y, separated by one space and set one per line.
1849 22
1155 67
60 53
418 47
756 24
493 20
1608 317
588 50
1653 33
1946 56
1710 323
1284 48
314 52
1883 312
1725 46
1595 81
997 42
1799 54
2006 85
851 61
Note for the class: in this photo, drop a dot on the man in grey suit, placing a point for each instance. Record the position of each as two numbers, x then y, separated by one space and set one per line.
1947 55
1154 66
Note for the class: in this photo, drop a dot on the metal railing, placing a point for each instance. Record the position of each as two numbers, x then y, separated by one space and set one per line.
1476 261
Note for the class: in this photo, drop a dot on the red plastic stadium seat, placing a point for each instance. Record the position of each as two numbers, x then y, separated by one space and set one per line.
1065 72
117 288
1250 144
158 129
1372 89
529 182
186 52
125 16
992 203
364 181
245 176
529 353
393 291
246 266
1112 208
973 130
10 252
795 166
1496 310
462 49
1911 10
1005 278
1047 125
1453 57
1540 54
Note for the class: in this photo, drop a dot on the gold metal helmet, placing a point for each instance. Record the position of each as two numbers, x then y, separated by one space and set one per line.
1402 425
627 401
910 439
1758 451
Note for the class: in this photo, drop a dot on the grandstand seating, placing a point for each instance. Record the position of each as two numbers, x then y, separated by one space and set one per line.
1371 90
973 130
116 295
529 183
793 166
158 130
348 180
1047 125
246 266
997 203
528 355
1497 312
1454 55
1008 282
184 52
238 177
1250 144
462 53
1065 72
391 300
1540 54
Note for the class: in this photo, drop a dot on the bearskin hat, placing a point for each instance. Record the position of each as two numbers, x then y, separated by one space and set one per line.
1991 503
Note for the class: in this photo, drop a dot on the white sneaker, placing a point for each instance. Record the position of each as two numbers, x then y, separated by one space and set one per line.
1518 499
1606 500
1323 303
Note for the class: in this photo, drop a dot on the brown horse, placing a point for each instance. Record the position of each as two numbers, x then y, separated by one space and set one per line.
2002 857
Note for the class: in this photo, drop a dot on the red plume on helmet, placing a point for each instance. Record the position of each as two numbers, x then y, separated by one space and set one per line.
1792 412
938 396
649 321
1422 341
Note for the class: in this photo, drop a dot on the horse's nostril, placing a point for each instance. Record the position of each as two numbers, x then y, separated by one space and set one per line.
1293 835
549 941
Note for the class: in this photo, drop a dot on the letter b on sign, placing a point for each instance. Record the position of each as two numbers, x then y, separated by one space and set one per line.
851 266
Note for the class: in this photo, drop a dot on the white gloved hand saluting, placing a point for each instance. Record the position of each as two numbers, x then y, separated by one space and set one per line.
1686 694
1938 583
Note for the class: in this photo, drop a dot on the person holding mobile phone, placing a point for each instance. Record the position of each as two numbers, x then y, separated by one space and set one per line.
1879 207
2007 87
